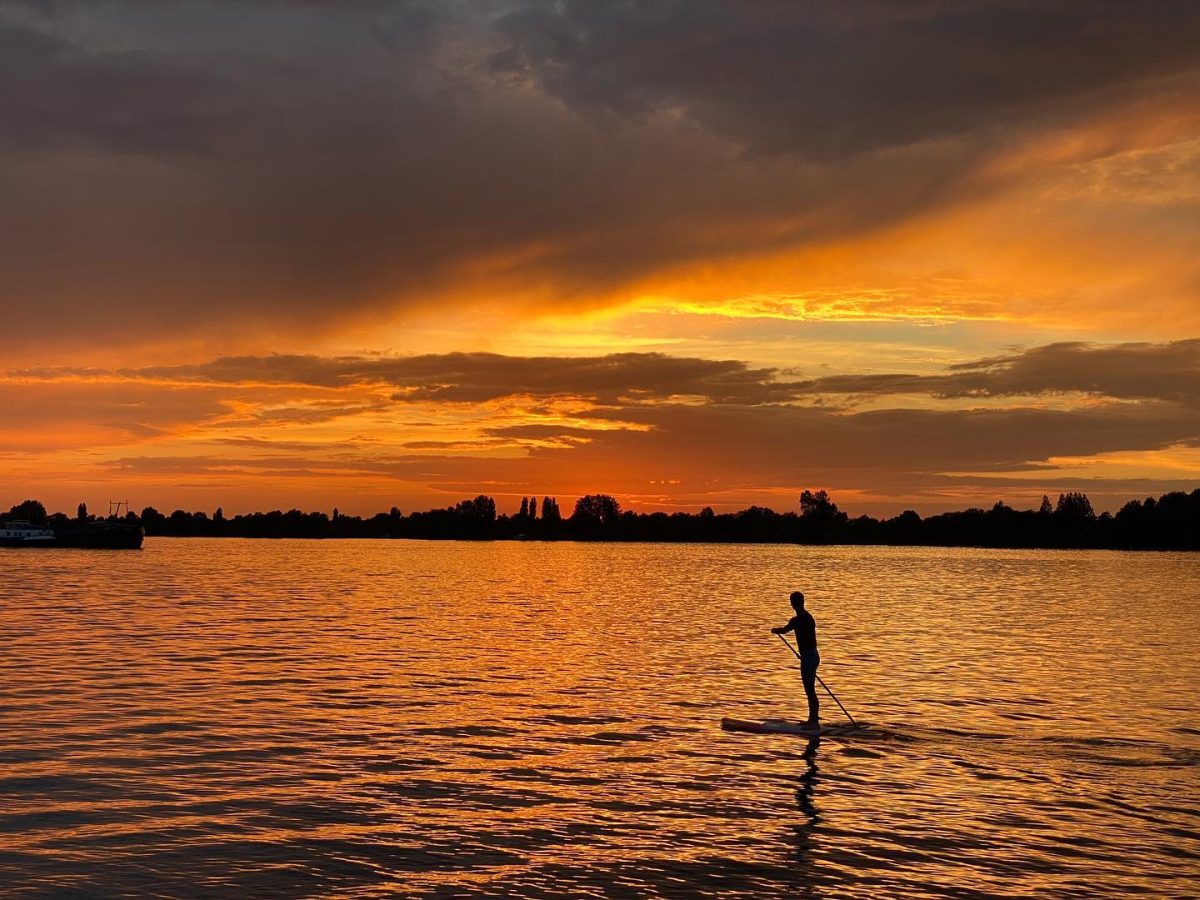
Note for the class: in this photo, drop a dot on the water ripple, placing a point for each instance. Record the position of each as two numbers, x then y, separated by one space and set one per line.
381 718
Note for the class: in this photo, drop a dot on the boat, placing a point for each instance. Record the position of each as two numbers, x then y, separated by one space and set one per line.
26 534
105 534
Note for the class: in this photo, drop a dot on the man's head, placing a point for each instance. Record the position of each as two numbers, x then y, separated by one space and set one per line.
797 601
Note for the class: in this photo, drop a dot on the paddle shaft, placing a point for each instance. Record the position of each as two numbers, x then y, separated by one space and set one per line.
796 653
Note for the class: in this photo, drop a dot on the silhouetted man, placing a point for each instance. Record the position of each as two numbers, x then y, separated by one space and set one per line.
806 642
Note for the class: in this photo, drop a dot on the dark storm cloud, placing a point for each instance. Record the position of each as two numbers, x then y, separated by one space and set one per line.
777 443
151 191
1131 371
1126 371
826 80
1168 372
60 97
159 82
477 377
172 169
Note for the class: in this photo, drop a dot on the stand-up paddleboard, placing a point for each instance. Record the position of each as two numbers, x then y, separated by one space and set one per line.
782 726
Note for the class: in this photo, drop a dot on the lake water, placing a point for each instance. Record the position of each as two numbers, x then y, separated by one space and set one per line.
240 718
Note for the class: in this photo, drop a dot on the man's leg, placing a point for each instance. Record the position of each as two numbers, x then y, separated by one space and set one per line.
809 677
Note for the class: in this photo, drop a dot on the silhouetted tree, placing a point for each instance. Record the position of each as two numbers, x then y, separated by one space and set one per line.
481 509
1074 506
524 513
533 507
81 512
152 520
596 509
904 528
816 503
30 511
820 519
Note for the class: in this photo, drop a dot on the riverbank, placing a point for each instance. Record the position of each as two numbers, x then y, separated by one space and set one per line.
1169 522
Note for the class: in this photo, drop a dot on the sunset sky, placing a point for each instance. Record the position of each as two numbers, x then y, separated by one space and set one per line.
927 254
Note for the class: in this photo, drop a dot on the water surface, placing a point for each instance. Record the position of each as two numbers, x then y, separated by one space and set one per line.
253 718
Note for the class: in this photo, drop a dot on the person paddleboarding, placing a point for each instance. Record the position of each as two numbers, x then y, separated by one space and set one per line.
805 627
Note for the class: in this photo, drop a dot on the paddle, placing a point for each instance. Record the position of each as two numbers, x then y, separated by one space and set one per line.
796 653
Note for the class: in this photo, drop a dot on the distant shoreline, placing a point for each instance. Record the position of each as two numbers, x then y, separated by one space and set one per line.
1169 522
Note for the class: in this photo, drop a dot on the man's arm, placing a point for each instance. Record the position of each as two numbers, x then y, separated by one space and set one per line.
790 626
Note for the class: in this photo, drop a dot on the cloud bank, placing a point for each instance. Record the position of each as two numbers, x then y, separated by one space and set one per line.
654 427
229 170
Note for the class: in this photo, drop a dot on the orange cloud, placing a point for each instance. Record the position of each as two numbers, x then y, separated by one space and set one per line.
660 430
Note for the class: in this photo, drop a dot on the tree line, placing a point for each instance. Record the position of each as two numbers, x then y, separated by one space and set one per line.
1169 522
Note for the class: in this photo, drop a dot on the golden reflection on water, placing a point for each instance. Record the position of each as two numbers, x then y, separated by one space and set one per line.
366 718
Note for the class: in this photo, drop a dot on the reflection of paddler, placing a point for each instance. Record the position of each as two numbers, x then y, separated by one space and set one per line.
806 642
